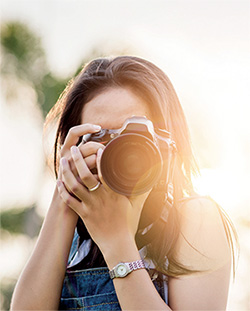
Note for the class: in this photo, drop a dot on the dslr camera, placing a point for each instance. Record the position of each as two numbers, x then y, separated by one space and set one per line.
136 158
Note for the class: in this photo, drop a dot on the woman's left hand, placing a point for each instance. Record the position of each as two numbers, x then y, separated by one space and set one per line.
109 217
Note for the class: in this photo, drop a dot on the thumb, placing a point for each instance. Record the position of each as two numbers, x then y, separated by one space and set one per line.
139 200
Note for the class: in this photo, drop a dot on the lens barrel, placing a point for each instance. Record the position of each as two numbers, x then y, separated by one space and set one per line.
131 164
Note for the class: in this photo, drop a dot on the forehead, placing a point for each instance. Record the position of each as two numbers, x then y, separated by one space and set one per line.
112 107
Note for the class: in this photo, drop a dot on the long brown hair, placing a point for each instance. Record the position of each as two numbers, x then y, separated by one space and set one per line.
154 87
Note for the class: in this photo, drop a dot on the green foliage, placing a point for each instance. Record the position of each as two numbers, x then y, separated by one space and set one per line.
23 53
17 221
21 221
49 91
25 58
7 288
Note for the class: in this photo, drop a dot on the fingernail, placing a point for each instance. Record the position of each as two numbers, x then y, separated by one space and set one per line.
64 161
97 127
99 152
74 149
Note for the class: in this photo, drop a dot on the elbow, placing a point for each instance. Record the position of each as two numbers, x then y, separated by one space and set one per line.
29 301
20 303
23 301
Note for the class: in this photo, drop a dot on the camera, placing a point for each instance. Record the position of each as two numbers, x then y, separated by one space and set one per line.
136 157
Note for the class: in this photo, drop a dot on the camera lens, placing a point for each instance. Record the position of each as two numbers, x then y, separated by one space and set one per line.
131 164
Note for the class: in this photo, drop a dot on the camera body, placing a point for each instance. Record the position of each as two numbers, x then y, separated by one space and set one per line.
136 157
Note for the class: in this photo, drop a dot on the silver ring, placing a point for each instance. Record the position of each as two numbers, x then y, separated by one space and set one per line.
95 187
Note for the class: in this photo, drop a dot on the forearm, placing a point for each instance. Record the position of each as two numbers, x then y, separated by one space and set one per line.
136 291
40 284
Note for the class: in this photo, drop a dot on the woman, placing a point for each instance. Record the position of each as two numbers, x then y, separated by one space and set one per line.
185 243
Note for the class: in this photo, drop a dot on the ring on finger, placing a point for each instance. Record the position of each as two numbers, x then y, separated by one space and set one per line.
95 187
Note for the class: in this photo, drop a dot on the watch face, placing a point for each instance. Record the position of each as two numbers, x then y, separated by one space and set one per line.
122 270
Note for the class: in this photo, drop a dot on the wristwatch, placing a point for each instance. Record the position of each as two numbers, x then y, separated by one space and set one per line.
124 268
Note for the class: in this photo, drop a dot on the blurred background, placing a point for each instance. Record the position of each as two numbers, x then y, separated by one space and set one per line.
204 48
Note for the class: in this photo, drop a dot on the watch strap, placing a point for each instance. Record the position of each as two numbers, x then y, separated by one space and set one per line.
112 274
134 265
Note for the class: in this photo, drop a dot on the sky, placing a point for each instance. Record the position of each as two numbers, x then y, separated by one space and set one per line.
203 46
164 29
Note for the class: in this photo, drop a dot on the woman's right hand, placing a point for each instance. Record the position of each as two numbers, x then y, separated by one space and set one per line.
88 149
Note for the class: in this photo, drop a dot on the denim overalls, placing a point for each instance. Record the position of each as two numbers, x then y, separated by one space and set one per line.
93 289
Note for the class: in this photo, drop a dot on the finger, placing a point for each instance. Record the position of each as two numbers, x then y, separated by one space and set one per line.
91 161
86 176
73 170
88 151
72 165
69 200
71 183
78 131
90 148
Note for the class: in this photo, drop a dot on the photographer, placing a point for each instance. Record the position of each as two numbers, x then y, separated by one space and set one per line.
125 229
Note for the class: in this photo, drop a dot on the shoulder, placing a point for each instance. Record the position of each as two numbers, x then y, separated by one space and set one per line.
202 243
198 211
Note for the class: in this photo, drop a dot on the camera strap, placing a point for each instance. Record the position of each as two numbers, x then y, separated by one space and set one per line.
145 236
149 234
156 208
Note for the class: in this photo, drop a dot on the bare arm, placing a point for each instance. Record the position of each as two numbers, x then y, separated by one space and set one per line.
136 291
207 290
202 246
40 284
